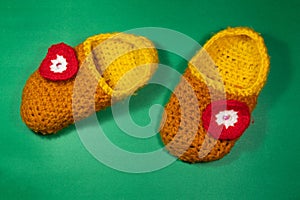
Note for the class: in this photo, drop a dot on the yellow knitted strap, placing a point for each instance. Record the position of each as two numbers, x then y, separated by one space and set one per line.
89 42
119 54
241 60
87 48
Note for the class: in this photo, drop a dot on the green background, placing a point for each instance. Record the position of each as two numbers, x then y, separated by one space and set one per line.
264 164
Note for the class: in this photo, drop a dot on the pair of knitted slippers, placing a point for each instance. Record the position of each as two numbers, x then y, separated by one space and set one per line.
207 112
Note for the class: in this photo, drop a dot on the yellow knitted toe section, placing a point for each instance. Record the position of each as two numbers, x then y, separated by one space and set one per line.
241 59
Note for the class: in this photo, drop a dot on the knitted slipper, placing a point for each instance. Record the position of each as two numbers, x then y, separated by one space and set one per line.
226 90
72 83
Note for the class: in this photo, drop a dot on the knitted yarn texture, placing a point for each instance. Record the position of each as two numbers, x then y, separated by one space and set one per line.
111 67
240 68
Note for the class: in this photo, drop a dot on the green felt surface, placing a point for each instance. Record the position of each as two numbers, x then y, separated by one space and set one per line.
264 164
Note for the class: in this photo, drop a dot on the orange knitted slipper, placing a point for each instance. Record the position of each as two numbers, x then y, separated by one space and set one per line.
72 83
225 78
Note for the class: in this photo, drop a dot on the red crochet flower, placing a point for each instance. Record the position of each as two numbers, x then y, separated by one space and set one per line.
60 63
226 120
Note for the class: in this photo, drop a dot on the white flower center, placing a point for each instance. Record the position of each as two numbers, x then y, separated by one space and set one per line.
227 118
59 65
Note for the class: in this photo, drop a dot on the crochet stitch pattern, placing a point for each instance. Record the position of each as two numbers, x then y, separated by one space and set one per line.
62 61
240 57
48 106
